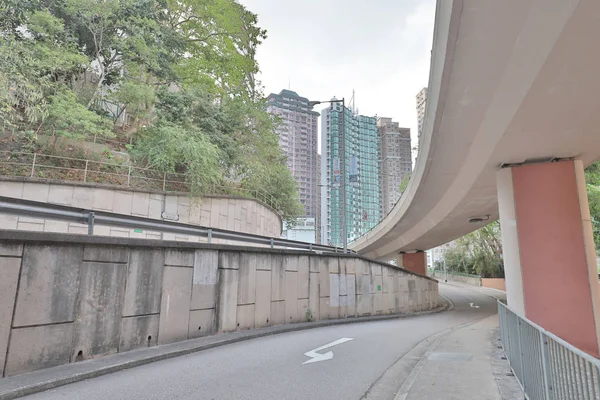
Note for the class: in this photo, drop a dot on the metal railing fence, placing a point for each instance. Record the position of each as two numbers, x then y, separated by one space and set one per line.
14 206
547 367
38 165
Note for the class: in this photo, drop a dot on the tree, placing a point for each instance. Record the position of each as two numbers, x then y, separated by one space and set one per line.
592 178
592 174
221 38
33 65
184 149
479 252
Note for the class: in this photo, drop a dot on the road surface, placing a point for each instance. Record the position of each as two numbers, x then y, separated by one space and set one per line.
274 367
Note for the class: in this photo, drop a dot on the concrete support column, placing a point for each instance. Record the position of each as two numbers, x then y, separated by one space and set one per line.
549 256
415 262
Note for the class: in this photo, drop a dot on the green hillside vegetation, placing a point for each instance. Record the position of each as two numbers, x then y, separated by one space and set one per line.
183 72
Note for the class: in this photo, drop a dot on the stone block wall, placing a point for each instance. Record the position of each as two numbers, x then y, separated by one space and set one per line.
231 213
469 280
65 298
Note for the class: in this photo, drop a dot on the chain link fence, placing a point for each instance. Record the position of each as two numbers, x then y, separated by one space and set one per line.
45 166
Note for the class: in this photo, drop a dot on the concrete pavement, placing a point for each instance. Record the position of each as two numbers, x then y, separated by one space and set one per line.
274 367
459 367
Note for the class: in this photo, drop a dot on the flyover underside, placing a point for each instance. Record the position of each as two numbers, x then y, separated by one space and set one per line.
508 85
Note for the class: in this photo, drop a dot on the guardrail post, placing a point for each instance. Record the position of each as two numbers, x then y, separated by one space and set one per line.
33 165
165 182
310 247
546 367
272 243
91 223
85 170
209 236
522 369
129 176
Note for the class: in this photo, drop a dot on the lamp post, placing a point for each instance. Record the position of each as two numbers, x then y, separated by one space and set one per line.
342 151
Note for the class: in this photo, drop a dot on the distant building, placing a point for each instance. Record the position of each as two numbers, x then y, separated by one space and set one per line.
319 240
363 210
437 255
395 161
298 140
304 231
421 103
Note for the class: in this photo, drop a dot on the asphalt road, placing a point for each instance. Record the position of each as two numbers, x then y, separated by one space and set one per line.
272 367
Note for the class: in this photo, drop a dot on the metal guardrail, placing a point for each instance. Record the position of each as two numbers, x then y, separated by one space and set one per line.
547 367
46 166
91 218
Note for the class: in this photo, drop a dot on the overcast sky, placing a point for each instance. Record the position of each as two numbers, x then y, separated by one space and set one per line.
326 48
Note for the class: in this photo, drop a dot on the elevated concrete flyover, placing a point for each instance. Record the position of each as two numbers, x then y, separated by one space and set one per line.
513 89
510 82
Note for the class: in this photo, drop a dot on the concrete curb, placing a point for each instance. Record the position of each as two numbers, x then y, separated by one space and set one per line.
449 303
51 378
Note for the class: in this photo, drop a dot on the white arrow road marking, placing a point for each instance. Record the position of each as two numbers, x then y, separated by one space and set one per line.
473 305
316 357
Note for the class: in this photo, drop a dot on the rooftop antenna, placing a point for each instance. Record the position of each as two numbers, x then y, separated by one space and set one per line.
289 83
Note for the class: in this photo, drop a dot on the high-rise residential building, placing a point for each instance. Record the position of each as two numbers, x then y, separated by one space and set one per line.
362 174
435 256
298 140
395 161
421 102
319 240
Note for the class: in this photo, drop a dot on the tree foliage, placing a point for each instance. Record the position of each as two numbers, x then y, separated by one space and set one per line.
404 183
182 70
592 178
479 252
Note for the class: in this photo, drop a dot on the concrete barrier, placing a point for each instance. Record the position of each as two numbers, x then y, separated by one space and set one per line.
469 280
494 283
223 212
65 298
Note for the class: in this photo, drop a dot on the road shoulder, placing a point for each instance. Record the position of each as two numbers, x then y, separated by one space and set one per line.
462 364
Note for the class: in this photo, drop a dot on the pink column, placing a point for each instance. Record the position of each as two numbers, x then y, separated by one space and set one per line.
549 253
414 262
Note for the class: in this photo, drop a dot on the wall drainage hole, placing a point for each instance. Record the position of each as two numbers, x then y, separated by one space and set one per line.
199 328
79 356
149 338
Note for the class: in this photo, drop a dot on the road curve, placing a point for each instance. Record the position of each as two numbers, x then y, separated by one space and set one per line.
272 367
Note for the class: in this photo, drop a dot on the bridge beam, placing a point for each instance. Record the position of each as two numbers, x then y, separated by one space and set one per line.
415 262
548 245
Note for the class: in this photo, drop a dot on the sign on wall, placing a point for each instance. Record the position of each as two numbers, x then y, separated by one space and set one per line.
353 171
336 172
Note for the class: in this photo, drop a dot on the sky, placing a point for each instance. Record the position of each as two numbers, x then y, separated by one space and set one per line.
324 48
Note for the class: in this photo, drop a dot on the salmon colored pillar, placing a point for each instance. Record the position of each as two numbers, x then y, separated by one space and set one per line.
414 262
549 252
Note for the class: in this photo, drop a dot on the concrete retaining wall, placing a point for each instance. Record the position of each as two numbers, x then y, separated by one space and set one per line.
469 280
231 213
494 283
65 298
